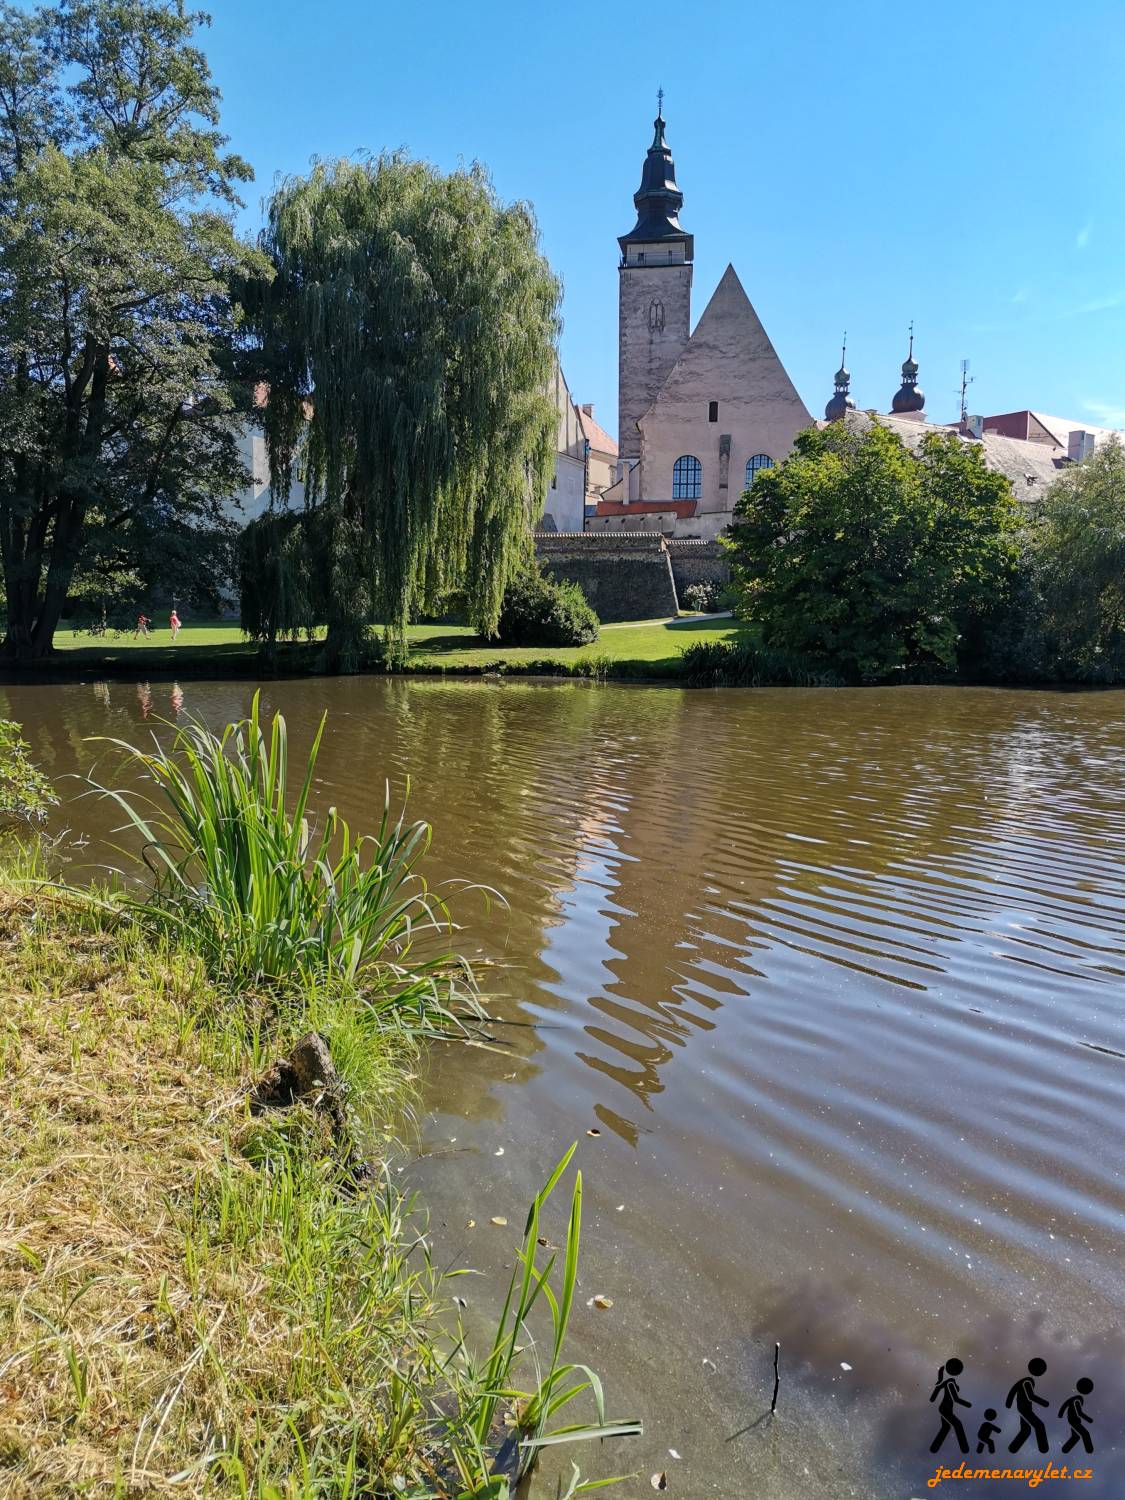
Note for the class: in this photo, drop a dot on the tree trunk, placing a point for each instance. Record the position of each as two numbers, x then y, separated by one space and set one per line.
60 572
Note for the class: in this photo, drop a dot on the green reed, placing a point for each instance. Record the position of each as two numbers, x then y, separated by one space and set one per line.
266 895
556 1384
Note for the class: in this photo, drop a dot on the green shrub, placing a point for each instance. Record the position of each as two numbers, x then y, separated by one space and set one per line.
743 664
702 597
542 611
1077 563
874 561
25 793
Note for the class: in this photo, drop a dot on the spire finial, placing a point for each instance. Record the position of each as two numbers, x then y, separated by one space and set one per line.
841 402
909 398
660 103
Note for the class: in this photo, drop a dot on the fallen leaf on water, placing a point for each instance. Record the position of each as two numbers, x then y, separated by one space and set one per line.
545 1242
472 1224
600 1301
672 1453
620 1206
844 1365
593 1132
499 1151
709 1364
659 1481
500 1221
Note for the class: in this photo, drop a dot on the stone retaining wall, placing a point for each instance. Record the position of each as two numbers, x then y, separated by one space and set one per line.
697 562
625 575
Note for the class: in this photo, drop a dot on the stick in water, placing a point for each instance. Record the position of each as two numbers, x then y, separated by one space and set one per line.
776 1377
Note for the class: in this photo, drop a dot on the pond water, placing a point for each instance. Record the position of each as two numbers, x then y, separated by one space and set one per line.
838 978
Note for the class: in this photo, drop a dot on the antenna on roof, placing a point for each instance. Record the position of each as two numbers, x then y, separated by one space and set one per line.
966 382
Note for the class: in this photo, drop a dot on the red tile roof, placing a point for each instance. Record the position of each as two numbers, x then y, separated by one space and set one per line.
682 508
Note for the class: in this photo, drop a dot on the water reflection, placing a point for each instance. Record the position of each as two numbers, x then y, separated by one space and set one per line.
839 977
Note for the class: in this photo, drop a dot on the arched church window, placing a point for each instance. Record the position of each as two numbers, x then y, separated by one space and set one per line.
687 478
656 315
759 461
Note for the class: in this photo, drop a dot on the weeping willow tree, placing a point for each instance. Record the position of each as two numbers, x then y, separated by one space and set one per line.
408 337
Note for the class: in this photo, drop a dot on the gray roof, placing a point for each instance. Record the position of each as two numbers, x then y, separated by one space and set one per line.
1060 428
1030 467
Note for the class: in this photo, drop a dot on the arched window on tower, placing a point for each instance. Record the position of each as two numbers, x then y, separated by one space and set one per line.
656 315
687 478
759 461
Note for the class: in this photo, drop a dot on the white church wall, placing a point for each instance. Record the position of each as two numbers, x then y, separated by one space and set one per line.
566 499
731 362
254 500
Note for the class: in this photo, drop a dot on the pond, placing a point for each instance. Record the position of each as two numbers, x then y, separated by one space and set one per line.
837 979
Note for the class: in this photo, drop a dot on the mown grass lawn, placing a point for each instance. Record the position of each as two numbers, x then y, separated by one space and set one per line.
655 644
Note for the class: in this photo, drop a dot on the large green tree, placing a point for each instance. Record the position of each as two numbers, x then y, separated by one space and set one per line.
1077 559
117 328
857 554
408 335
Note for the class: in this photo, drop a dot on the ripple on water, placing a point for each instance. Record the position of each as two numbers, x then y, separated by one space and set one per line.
840 976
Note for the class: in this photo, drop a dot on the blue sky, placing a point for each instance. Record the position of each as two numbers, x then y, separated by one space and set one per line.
862 165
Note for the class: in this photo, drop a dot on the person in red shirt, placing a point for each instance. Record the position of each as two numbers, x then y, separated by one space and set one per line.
174 622
143 622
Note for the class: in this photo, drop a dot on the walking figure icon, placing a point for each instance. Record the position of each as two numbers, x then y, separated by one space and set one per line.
949 1392
1024 1401
1023 1397
1076 1414
987 1431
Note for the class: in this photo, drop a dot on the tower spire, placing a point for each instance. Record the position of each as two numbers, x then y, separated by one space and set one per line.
658 200
841 403
908 398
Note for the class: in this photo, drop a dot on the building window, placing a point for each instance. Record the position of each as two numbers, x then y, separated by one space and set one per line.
759 461
687 478
712 411
640 257
656 315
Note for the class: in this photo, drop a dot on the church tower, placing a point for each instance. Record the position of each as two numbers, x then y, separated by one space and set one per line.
654 307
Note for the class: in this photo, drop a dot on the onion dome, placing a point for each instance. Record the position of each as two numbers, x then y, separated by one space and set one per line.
841 402
908 397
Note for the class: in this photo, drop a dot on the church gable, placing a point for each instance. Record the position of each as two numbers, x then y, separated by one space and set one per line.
729 358
726 409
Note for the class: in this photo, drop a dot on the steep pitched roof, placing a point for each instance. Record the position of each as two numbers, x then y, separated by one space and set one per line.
730 340
596 435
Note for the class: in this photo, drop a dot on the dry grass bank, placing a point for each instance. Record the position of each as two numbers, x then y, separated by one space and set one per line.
209 1282
173 1319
